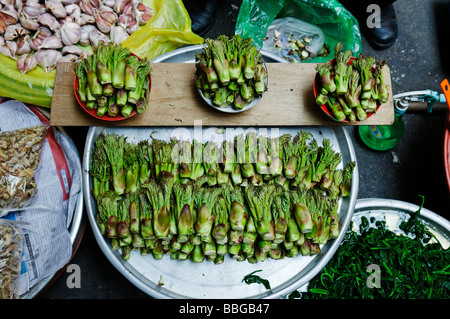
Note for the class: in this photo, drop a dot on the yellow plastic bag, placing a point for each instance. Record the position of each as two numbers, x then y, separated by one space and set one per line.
168 29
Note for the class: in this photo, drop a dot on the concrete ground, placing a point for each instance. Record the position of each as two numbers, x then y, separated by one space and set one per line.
418 61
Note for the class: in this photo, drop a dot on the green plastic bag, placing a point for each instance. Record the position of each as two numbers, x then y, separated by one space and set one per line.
168 29
336 22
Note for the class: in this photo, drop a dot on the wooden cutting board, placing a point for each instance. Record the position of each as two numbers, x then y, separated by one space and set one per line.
174 101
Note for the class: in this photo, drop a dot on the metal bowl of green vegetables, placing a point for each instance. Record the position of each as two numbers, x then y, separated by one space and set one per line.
231 75
398 248
112 84
349 89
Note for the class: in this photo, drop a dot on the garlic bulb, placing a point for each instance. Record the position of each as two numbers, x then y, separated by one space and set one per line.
23 45
70 33
96 36
14 31
73 11
118 34
43 32
89 6
10 14
52 42
56 8
142 12
16 3
85 37
72 49
85 19
32 9
123 7
9 48
35 43
105 19
49 21
27 21
128 22
47 59
26 62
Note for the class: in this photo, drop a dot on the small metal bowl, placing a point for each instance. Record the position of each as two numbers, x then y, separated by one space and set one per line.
230 108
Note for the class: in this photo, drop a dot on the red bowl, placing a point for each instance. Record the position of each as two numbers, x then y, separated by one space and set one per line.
93 112
447 152
446 89
324 107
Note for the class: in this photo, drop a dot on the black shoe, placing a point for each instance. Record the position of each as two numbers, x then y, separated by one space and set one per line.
384 36
203 13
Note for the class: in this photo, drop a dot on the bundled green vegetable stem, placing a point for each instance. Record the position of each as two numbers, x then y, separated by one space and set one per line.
230 71
185 216
352 89
113 81
151 201
260 200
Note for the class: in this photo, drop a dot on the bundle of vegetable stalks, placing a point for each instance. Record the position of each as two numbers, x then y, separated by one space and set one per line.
113 81
351 89
252 198
230 71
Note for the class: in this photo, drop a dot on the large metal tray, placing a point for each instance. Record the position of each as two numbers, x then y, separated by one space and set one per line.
186 279
207 280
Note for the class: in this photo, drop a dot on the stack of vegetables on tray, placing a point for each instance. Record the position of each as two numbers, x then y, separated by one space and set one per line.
252 198
230 71
113 81
38 32
352 89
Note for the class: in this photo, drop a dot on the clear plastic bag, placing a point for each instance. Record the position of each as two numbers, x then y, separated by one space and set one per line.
335 21
283 33
10 259
20 152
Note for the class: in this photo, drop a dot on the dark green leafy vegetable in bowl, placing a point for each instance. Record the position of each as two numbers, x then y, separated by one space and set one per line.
412 266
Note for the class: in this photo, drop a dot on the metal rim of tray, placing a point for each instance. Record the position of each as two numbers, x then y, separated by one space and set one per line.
378 205
294 283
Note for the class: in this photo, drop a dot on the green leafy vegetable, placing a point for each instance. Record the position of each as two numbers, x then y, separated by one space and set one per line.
411 265
254 279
